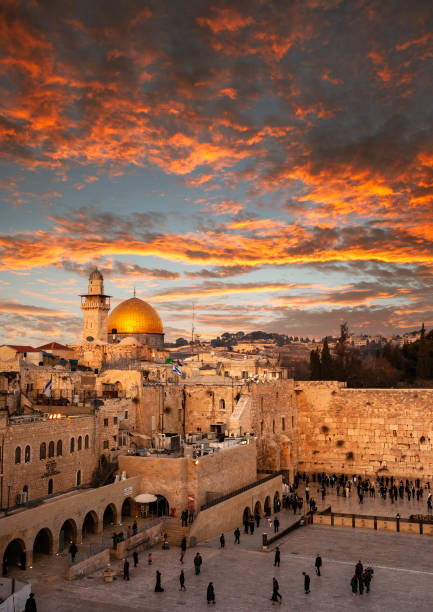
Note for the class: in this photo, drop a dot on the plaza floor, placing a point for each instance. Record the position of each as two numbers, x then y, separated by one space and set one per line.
242 575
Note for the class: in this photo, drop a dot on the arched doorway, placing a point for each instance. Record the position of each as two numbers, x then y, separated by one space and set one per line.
268 506
110 516
68 534
13 555
160 507
277 503
258 509
246 516
127 507
90 524
43 544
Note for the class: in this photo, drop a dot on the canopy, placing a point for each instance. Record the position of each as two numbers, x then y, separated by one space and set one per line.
145 498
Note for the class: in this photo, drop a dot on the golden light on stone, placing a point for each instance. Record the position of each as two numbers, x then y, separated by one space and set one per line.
134 316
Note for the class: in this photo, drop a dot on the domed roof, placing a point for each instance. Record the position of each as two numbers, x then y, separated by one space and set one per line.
96 275
134 316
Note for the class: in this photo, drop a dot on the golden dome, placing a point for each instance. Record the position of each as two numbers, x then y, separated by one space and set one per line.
134 316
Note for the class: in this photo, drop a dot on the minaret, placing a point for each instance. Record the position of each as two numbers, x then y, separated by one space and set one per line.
95 306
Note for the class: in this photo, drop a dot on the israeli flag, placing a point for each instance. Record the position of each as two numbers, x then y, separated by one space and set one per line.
176 369
48 388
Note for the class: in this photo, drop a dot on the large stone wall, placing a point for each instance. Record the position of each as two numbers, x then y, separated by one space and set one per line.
365 431
177 478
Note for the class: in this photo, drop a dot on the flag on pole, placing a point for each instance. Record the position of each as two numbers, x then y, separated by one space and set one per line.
48 388
176 369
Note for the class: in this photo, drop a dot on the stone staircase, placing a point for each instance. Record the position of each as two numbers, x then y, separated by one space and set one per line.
175 532
239 421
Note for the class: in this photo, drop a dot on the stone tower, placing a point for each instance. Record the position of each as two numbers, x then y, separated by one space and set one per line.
95 306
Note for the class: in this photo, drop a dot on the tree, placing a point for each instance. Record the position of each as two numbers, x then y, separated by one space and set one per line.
326 362
421 366
181 342
315 366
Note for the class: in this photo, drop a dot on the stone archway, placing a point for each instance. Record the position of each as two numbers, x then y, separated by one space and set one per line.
14 554
160 507
90 524
67 534
246 515
110 516
257 509
127 508
43 543
267 506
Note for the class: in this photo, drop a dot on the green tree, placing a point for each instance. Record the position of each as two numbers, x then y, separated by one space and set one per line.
315 365
421 366
326 362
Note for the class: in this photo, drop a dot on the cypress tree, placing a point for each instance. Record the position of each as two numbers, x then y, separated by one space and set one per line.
326 362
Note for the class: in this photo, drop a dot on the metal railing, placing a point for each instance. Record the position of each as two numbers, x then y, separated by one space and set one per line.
223 498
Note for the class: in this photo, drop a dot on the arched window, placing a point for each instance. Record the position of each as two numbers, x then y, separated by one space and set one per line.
18 454
43 451
86 441
78 478
222 404
72 447
80 443
50 486
59 448
51 449
27 454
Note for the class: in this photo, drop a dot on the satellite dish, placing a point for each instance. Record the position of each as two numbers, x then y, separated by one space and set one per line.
90 338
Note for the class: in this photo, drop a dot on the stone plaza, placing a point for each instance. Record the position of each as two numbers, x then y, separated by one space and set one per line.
242 574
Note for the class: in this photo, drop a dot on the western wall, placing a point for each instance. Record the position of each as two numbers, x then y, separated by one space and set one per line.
387 432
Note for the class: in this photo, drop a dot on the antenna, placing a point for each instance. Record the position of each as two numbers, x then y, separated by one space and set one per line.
192 323
134 290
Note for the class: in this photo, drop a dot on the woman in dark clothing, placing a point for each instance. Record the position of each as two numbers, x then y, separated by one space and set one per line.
354 585
210 594
158 587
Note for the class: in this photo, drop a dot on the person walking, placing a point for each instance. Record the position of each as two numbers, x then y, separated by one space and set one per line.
182 549
306 582
276 524
276 596
277 557
210 593
134 528
257 520
222 541
354 585
358 570
30 604
135 557
367 576
318 564
237 534
126 570
182 581
158 587
197 563
73 551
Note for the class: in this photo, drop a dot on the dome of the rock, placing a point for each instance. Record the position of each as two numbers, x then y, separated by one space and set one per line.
134 316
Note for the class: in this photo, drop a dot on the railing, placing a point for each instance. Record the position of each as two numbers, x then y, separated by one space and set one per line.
82 555
241 490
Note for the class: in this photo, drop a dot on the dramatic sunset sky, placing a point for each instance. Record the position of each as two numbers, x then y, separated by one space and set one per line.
271 161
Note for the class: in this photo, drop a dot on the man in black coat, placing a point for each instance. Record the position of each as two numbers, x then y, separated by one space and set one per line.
30 604
277 557
126 570
318 564
306 583
237 534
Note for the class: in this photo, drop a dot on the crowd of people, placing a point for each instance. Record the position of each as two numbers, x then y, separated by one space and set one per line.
385 487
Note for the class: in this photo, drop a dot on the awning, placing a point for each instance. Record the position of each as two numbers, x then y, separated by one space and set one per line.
145 498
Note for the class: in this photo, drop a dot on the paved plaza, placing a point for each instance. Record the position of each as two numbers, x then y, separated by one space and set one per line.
242 575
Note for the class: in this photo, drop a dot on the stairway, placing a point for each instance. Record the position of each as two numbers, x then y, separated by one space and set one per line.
239 421
175 532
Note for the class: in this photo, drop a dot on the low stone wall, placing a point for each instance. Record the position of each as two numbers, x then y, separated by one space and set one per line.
88 566
141 541
378 523
229 513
